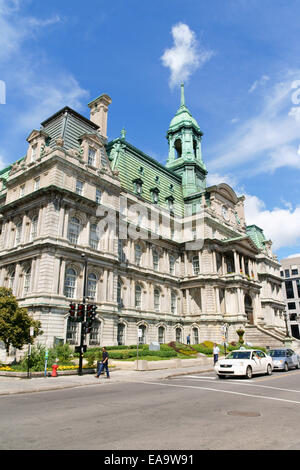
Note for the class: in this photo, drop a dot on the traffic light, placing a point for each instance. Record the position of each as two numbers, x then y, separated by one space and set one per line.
91 312
80 312
72 312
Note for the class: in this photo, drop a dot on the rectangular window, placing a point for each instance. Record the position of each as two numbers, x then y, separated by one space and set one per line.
294 272
298 287
79 187
36 184
92 156
292 305
287 272
289 289
22 190
98 196
33 153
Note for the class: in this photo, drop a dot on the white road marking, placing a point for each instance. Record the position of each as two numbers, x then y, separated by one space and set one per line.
243 382
222 391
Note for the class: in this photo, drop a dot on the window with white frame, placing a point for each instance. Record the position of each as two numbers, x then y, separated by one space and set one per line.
156 300
37 183
196 266
79 187
138 296
121 334
70 283
71 332
22 190
33 153
178 335
196 335
172 264
119 294
94 237
19 227
155 257
74 230
92 286
27 279
92 156
34 225
173 302
95 333
161 335
11 278
98 195
138 254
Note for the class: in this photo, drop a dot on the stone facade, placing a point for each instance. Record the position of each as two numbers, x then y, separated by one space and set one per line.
290 273
166 254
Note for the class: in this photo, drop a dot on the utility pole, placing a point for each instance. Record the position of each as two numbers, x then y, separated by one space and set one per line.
83 324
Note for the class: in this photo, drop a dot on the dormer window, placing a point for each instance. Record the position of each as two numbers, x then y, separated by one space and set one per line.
33 153
170 202
138 183
141 170
92 156
155 195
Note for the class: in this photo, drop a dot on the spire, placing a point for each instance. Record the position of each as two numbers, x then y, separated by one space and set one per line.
182 103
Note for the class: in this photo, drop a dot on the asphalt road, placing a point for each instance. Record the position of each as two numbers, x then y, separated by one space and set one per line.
187 412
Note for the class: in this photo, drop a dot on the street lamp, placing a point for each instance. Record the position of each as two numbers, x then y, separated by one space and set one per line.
83 324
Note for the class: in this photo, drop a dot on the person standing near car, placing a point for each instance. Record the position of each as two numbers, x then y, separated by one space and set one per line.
216 352
103 365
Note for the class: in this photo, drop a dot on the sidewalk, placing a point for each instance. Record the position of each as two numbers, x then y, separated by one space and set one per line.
10 385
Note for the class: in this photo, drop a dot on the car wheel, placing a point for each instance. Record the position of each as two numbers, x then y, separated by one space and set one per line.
249 373
269 369
221 376
286 367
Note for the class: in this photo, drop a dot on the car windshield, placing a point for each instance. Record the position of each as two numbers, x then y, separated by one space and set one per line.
277 353
239 355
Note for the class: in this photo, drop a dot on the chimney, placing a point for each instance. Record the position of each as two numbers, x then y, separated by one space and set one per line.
99 108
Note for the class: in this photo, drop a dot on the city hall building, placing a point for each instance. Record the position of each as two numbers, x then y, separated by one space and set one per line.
164 254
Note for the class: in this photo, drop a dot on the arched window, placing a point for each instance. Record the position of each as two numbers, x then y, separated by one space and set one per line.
161 335
138 296
95 334
121 334
70 283
19 226
94 238
92 286
173 302
172 264
142 335
178 335
196 267
34 225
178 148
196 335
156 300
138 254
27 279
74 230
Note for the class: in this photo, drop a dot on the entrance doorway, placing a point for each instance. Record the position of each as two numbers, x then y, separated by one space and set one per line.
249 309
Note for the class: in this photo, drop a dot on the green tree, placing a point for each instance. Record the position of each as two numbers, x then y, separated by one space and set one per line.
15 323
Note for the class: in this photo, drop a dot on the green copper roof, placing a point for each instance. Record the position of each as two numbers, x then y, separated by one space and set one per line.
134 165
183 117
257 235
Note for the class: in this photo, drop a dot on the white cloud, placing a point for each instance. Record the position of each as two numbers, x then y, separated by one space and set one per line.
296 255
258 83
280 225
216 178
271 138
185 56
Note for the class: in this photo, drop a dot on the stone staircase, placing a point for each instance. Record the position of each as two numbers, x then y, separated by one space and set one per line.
260 336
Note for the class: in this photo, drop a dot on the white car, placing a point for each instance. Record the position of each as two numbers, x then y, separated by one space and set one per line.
244 362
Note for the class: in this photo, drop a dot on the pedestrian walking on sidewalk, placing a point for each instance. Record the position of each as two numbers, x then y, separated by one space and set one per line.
103 365
216 351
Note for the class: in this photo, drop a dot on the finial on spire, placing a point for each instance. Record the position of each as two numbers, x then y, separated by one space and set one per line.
182 103
123 133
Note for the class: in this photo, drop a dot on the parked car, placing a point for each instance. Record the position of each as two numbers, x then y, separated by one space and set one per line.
284 358
244 362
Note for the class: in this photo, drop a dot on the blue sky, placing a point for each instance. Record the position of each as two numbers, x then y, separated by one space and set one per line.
241 66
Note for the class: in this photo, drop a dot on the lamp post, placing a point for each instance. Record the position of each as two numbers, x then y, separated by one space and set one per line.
83 324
